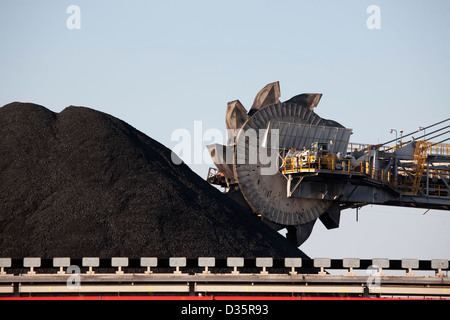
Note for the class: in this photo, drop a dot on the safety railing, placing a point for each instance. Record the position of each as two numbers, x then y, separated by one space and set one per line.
331 164
436 149
354 147
439 149
407 180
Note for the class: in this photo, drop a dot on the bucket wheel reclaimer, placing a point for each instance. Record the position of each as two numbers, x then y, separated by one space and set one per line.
256 140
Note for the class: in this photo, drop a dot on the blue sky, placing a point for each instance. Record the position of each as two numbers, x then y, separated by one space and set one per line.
161 65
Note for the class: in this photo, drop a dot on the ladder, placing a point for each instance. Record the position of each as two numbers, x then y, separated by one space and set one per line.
420 156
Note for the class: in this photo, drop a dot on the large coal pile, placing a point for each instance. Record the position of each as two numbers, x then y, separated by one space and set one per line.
82 183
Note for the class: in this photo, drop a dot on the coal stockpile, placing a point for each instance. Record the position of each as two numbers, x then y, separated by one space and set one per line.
83 183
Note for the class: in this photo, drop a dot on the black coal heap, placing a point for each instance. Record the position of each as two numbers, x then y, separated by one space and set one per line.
83 183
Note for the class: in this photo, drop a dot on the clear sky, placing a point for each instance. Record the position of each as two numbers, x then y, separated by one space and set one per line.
161 65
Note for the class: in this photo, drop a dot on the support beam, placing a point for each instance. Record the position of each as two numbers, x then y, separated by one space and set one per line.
289 188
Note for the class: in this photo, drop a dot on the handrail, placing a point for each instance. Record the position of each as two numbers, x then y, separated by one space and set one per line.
329 165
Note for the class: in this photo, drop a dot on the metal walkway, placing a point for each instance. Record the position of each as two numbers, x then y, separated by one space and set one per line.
350 277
